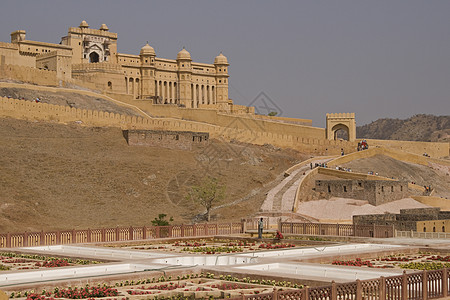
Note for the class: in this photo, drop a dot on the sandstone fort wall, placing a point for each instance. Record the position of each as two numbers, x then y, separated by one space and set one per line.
376 192
243 128
184 140
27 74
41 111
434 149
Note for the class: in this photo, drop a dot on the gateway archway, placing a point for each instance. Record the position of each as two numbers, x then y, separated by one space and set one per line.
341 122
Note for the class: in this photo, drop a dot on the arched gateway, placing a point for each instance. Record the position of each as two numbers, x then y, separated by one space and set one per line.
341 121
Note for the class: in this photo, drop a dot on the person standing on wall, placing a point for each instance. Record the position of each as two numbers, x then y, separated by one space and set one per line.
260 228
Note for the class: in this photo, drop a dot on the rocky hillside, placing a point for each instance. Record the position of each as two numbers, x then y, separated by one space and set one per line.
426 128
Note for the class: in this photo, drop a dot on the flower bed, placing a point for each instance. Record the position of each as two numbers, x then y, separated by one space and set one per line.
18 261
213 249
214 246
354 263
276 246
189 286
414 261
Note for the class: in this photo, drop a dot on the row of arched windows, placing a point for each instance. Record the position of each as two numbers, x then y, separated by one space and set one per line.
167 92
434 229
132 86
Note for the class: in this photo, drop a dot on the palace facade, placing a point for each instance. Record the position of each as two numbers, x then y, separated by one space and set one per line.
90 55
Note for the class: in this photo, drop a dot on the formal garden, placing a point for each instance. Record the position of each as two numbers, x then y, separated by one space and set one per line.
188 286
217 246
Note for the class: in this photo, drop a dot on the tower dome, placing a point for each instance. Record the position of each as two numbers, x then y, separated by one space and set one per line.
221 59
104 27
147 50
183 54
84 24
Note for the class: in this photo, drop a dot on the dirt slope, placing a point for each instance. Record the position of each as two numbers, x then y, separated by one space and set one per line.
66 176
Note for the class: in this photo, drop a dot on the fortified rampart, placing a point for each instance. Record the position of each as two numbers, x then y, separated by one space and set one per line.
41 111
184 140
243 128
376 192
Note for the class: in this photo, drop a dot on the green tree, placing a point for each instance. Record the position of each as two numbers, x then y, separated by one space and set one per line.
161 220
207 194
272 114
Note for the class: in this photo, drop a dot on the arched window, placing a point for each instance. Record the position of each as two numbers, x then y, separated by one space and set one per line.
434 229
443 228
110 85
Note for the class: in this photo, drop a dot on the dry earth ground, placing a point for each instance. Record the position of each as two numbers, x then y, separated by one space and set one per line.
57 176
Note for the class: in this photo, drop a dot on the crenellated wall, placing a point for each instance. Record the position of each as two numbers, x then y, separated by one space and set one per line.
41 111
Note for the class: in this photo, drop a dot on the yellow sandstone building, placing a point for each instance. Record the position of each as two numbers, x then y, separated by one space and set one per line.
90 55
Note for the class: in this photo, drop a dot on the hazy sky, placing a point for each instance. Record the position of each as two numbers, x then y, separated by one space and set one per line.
379 58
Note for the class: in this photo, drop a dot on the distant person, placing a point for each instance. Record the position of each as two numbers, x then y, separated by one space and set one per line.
342 152
260 228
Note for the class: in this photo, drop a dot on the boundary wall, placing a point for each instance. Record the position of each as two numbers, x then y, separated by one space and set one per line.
29 110
244 128
102 235
434 149
442 203
376 231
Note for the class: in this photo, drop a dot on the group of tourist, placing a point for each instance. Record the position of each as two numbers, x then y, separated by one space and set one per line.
362 145
316 165
343 169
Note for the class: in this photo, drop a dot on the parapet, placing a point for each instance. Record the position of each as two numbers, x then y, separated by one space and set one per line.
341 115
91 31
9 46
97 66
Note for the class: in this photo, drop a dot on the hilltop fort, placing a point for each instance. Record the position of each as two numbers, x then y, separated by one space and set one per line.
171 94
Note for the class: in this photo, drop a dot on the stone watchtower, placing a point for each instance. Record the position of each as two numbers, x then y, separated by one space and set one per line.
341 121
221 64
147 57
184 79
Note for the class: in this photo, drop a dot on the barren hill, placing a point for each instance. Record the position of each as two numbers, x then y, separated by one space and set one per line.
67 176
427 128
